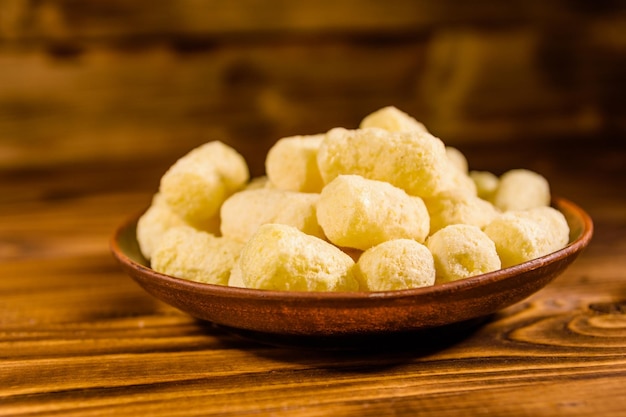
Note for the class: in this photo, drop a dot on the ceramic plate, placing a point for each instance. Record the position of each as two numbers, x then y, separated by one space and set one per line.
354 314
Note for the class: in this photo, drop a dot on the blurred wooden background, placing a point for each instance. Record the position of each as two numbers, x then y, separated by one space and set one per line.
92 81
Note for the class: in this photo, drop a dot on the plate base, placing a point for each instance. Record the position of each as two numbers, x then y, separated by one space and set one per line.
421 341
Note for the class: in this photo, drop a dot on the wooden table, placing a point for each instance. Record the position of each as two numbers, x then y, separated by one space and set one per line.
80 338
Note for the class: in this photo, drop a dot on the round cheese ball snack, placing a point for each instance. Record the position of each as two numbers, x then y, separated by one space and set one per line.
486 184
413 161
235 279
258 182
199 182
359 213
395 265
281 257
521 189
291 164
458 207
457 159
187 253
460 183
461 251
393 120
153 223
551 219
524 235
158 219
243 212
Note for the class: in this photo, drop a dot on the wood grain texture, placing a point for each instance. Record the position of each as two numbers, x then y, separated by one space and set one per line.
99 97
95 81
79 338
117 18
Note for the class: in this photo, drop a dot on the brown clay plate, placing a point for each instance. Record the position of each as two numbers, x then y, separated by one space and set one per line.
348 314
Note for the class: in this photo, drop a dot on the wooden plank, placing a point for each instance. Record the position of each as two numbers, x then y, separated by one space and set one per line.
79 338
111 105
161 82
116 18
140 355
155 102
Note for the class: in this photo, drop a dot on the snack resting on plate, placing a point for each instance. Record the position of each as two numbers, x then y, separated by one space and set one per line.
291 164
486 184
192 254
198 183
523 235
243 212
461 251
457 159
359 213
456 207
413 161
521 189
383 207
281 257
157 220
392 119
396 264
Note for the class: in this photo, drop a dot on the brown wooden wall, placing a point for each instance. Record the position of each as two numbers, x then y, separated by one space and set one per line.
155 78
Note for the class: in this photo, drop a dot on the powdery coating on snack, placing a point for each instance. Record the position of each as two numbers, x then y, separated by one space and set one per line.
486 184
395 265
155 221
551 219
459 183
280 257
413 161
461 251
187 253
291 164
258 182
158 219
199 182
235 279
243 212
457 159
359 213
524 235
393 120
457 207
521 189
